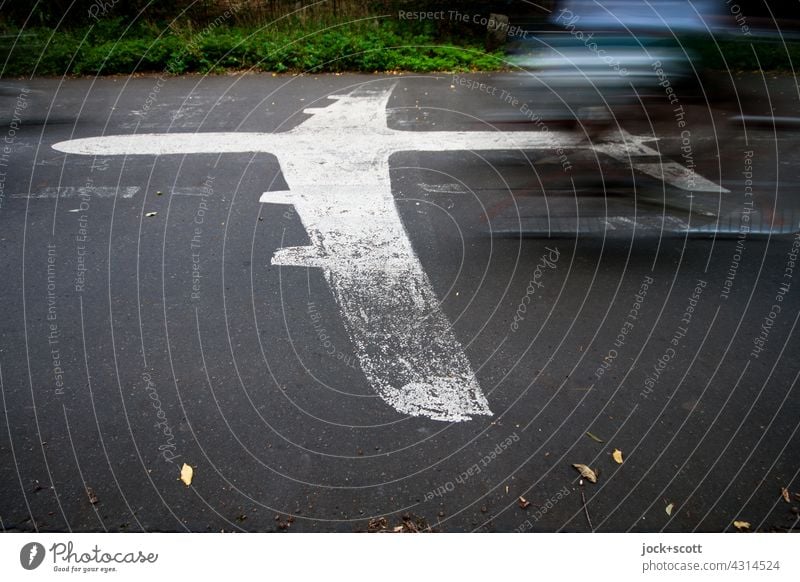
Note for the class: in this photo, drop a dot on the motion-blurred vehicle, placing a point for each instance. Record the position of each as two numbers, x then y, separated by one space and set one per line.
598 61
604 65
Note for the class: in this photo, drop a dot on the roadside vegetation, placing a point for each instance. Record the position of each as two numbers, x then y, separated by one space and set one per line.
112 47
202 36
84 37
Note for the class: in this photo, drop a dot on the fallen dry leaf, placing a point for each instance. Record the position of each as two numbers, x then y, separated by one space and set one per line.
596 439
586 472
785 494
669 508
741 525
186 474
523 503
617 456
379 524
91 495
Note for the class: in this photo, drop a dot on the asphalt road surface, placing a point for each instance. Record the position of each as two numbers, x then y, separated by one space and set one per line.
430 368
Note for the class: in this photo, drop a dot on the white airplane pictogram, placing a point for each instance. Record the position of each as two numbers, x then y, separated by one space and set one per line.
336 164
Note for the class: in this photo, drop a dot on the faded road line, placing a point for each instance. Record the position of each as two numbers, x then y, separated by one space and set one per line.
72 192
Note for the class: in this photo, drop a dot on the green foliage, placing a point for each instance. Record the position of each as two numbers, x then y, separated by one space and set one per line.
111 47
202 36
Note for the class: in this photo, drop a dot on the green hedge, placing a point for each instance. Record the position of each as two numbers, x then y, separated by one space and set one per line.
110 46
109 49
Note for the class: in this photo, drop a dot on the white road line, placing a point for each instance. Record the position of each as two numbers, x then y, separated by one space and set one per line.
443 188
667 171
190 191
336 165
73 191
680 176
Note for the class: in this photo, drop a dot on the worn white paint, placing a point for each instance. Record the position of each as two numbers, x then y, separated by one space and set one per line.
336 164
443 188
680 176
339 184
72 192
664 170
190 191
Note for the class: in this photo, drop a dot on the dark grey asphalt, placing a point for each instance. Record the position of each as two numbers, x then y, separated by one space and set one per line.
281 427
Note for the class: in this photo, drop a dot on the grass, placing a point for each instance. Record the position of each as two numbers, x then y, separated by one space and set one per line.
108 48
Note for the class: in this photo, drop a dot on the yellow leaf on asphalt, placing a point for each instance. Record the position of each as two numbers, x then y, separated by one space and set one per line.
617 455
595 438
586 472
186 474
740 525
785 494
669 508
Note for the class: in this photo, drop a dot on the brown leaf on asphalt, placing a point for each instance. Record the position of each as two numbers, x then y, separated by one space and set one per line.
741 525
409 523
586 472
91 495
595 438
378 524
617 456
523 503
669 509
785 495
186 474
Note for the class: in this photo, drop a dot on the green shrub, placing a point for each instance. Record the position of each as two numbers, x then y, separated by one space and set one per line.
111 46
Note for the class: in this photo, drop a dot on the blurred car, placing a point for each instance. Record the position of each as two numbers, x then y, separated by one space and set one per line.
598 61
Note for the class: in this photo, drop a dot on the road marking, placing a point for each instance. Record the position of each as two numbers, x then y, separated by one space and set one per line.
443 188
336 164
190 191
73 191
